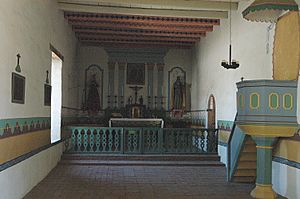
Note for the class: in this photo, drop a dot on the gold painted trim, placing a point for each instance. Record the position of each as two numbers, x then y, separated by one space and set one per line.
278 102
292 102
263 191
268 131
265 115
288 149
264 185
241 96
264 147
258 101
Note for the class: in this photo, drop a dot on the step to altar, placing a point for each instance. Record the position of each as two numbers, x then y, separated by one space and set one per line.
141 160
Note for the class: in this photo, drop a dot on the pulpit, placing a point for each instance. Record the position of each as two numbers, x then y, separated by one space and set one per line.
266 110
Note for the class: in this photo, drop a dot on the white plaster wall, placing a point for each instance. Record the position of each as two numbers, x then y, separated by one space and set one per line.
18 180
28 27
222 151
249 41
286 180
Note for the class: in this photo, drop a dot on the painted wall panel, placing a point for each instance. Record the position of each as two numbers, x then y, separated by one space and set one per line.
15 146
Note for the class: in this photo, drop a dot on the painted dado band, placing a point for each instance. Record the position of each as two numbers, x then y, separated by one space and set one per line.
16 126
21 158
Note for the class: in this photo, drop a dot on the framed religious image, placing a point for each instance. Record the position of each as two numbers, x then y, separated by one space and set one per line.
18 89
47 95
135 74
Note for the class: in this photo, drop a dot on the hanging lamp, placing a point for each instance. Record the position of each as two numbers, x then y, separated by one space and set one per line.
230 64
268 10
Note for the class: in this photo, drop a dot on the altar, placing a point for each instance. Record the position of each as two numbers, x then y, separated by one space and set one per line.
136 122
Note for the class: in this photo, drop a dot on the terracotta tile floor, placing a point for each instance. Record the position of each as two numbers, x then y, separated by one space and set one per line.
138 182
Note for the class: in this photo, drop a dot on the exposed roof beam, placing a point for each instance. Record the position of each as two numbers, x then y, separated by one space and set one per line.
142 27
92 17
135 45
137 33
159 4
68 5
136 38
145 43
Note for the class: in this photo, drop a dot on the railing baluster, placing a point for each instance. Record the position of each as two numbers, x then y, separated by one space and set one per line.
144 140
110 140
98 140
122 140
116 141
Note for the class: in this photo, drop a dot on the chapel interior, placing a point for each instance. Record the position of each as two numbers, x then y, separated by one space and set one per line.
149 99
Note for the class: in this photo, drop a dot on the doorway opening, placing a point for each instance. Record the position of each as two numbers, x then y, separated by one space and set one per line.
211 112
56 97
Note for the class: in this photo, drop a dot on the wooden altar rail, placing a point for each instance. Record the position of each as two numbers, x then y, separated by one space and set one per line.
144 140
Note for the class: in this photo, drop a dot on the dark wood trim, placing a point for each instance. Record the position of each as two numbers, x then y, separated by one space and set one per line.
116 31
83 36
150 20
206 28
54 50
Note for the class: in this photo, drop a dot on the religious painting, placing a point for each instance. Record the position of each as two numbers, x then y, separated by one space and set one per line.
177 89
93 91
135 74
47 95
18 88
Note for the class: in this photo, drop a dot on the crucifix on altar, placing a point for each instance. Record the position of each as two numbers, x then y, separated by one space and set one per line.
136 89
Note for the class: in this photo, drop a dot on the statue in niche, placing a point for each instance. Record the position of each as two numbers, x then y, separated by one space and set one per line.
178 94
93 99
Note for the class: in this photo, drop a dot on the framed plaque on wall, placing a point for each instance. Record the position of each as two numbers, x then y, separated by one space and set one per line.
135 74
47 95
18 89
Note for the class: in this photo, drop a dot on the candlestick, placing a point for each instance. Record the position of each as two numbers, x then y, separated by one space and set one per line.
148 90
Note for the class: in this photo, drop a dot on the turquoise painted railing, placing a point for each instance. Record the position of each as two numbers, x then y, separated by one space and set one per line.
234 147
143 140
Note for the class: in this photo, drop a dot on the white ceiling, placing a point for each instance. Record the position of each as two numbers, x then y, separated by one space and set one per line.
177 8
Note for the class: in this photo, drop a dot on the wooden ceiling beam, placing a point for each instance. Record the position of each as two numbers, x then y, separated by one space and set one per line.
147 20
135 45
137 33
136 38
144 44
72 6
141 27
135 41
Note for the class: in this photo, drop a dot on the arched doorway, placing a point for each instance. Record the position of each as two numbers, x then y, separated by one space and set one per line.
211 112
